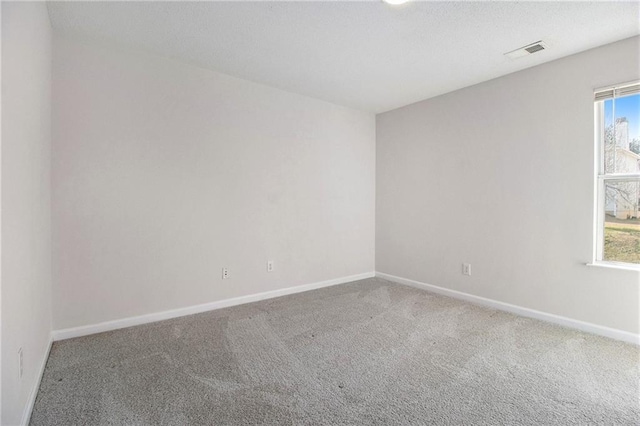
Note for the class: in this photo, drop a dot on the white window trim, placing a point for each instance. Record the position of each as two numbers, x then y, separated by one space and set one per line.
600 178
614 265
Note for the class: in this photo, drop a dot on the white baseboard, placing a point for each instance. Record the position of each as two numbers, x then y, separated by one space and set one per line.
28 409
69 333
519 310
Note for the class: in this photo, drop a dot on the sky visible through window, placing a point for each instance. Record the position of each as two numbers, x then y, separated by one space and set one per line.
628 107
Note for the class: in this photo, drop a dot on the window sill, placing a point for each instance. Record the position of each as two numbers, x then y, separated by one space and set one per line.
616 265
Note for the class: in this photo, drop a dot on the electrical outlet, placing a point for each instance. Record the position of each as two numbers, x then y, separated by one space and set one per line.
20 363
270 266
466 269
225 273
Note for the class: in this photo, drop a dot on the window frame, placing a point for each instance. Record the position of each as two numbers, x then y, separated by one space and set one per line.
601 177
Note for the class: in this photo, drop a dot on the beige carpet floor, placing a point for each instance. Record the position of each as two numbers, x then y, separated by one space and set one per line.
367 352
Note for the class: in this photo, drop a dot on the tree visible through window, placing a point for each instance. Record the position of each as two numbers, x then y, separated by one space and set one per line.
618 134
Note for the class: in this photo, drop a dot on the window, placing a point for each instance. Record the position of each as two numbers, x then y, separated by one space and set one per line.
617 112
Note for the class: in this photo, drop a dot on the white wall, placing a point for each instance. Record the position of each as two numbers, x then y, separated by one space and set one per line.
26 211
163 173
500 175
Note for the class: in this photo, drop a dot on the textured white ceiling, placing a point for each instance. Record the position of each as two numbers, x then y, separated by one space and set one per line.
366 55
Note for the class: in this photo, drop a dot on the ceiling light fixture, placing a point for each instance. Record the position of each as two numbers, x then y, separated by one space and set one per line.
395 2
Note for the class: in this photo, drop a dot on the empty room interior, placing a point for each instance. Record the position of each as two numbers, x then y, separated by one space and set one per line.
392 212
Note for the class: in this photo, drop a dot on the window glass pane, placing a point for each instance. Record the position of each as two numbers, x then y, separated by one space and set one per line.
622 134
622 221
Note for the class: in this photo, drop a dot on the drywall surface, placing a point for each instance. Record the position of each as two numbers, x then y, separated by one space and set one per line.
164 173
26 202
500 175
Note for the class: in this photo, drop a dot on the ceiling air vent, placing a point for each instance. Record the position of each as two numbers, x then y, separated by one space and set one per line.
526 50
